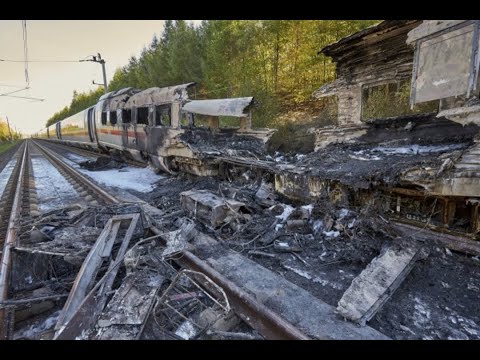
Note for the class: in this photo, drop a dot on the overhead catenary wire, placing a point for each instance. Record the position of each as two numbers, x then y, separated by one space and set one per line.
10 85
25 50
39 61
24 97
25 61
14 91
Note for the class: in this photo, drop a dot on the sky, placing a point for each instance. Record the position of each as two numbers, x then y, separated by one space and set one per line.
115 40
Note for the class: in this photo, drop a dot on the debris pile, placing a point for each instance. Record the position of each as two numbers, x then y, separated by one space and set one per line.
103 163
112 282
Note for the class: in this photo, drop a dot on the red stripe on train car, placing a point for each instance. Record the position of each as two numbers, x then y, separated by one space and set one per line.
121 132
75 134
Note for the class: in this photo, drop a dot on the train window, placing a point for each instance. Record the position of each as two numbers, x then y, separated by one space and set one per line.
162 115
142 115
113 117
126 116
104 118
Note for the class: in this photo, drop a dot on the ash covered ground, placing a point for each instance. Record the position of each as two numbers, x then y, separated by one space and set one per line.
438 299
323 248
388 149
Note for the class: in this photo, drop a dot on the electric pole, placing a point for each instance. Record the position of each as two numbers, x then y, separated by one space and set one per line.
98 59
10 131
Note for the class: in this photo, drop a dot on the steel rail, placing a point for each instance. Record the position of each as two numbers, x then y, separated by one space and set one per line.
9 242
253 312
82 151
101 193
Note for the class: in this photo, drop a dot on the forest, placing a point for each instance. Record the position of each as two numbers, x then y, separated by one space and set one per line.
7 133
276 61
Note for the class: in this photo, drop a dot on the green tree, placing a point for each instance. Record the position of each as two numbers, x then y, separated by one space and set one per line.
276 61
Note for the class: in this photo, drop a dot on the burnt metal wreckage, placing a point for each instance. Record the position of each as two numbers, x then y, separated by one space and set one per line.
149 126
213 255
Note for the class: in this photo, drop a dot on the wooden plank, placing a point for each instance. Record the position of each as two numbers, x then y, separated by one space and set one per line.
371 289
456 243
468 167
409 192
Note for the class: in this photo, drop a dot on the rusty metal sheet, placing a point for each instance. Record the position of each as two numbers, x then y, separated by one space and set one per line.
157 95
237 107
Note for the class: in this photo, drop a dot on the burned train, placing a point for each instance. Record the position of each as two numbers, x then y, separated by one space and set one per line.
147 125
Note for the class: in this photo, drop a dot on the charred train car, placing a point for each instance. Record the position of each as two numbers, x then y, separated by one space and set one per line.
147 125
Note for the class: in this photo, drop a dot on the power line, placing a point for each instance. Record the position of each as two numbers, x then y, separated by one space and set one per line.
24 97
15 91
9 85
39 61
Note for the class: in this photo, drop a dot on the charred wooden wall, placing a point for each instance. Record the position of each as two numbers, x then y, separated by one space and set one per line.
372 56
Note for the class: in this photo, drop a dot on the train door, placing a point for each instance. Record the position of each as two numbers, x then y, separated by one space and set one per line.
159 131
142 127
125 116
58 130
91 124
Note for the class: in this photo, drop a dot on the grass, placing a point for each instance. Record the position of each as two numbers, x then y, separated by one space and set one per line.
7 145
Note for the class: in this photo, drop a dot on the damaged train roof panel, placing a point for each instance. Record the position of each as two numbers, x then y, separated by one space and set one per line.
117 99
112 94
238 107
157 95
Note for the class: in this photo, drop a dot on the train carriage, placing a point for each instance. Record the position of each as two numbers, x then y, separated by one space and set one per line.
146 125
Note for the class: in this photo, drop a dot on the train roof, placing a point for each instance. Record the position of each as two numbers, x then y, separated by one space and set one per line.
156 95
117 99
238 107
112 94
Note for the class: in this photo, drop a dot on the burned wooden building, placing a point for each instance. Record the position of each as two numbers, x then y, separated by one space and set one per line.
376 56
421 166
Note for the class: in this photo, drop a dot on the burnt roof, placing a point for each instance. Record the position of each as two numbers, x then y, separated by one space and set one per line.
382 28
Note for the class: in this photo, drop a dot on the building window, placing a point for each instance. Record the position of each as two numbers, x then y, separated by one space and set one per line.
391 100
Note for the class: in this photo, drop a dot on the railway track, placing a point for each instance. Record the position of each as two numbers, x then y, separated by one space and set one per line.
11 208
254 313
88 153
